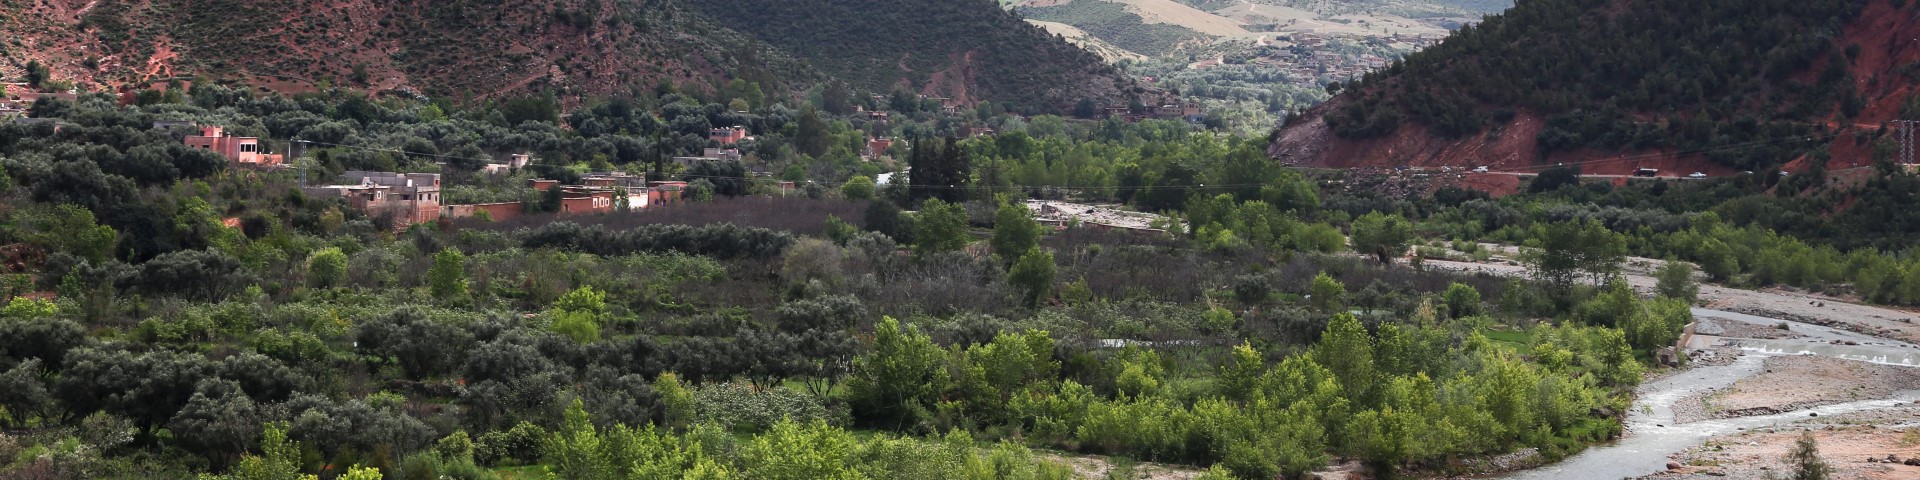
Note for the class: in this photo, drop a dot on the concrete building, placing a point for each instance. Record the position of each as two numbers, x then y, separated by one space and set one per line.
495 211
408 198
614 183
877 148
728 135
514 163
242 150
587 202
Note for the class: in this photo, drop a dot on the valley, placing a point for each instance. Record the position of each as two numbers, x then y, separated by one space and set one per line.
959 239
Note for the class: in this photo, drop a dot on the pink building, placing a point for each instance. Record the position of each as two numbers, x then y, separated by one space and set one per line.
593 202
728 135
877 147
245 150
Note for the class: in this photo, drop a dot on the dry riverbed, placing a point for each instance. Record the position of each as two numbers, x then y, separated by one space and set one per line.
1865 452
1797 382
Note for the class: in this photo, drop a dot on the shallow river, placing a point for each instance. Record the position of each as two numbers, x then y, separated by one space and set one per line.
1651 435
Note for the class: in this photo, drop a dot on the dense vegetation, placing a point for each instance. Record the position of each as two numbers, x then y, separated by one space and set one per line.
757 337
572 49
1752 230
1697 76
926 46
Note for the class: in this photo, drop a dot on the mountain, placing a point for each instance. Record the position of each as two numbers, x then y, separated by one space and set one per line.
966 50
1405 8
1147 27
574 48
1709 85
1106 50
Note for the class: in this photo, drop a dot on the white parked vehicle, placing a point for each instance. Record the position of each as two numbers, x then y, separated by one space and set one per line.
1696 175
1480 169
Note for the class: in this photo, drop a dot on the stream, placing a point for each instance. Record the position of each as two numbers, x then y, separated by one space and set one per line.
1651 435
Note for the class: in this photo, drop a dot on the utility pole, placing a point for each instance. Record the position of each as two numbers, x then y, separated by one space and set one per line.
299 150
1904 129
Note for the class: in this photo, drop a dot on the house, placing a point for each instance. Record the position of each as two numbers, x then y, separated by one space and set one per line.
582 202
877 115
877 148
541 184
407 198
720 153
615 184
665 192
241 150
494 211
728 135
514 163
973 132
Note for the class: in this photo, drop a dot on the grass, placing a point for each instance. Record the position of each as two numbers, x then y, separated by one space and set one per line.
1516 337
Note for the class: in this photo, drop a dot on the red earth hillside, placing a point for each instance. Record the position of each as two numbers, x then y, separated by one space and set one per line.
1885 70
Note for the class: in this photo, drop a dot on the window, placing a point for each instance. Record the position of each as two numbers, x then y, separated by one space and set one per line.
249 147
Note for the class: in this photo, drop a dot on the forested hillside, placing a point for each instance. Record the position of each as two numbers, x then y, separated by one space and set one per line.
967 50
572 48
455 49
1732 83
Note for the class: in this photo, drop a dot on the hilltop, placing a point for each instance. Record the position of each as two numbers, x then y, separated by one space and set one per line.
1715 86
572 48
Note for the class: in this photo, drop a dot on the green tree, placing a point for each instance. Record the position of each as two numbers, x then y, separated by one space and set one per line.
1034 274
940 227
1014 231
447 278
1384 236
279 458
676 401
1462 300
797 451
37 74
1347 350
69 228
327 268
810 135
1676 281
574 449
357 472
894 385
1805 457
1327 294
1241 376
860 187
1569 249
